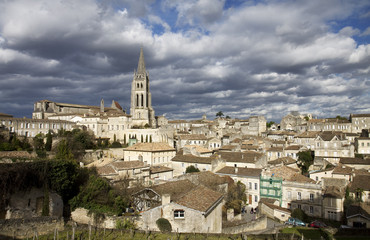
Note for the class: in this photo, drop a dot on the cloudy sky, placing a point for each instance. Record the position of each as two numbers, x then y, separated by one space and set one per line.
240 57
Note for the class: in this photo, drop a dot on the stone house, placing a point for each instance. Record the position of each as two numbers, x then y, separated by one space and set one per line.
362 145
274 153
213 143
358 215
359 188
307 139
359 122
29 204
180 125
286 161
198 210
181 161
298 191
191 139
250 177
270 207
332 204
134 171
331 146
160 173
356 163
150 153
31 127
319 174
249 159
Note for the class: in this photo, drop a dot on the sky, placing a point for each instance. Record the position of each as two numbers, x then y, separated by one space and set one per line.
244 58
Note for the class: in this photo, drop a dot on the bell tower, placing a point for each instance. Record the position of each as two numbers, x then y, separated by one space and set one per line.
141 99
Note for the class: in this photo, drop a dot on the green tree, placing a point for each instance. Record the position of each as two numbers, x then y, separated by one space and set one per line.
269 124
235 196
49 141
38 145
219 114
305 160
191 169
300 214
63 151
341 118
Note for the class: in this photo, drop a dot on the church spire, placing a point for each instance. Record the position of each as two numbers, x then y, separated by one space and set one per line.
141 64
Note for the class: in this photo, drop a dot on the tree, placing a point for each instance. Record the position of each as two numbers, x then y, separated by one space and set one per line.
305 160
219 114
300 214
49 141
235 196
341 118
269 124
191 169
63 151
38 145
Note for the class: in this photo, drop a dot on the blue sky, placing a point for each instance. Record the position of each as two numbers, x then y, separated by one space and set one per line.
241 57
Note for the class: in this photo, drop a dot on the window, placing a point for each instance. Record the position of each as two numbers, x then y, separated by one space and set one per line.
311 197
250 185
289 195
299 206
179 214
255 186
255 198
317 178
311 209
299 196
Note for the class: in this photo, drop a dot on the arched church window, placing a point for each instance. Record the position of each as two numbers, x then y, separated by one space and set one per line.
142 100
138 85
141 85
137 100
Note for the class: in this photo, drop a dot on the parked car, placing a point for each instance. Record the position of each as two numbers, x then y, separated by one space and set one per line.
295 222
317 224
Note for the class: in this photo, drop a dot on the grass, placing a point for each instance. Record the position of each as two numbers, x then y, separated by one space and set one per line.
308 233
118 235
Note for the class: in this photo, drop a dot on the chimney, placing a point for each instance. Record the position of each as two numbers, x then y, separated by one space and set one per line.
166 199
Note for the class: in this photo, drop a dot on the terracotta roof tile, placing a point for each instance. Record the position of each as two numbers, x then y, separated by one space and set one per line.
159 169
121 165
106 170
201 198
248 172
150 147
174 188
192 159
243 157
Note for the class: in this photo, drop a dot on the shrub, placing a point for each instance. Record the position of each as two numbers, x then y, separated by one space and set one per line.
164 225
191 169
300 214
125 224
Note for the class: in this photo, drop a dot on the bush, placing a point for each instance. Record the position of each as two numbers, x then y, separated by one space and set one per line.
300 214
191 169
164 225
125 224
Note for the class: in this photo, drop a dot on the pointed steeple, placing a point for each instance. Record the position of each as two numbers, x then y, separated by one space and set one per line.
141 64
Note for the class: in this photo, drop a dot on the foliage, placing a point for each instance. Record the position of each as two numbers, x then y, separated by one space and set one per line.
219 114
227 117
341 118
269 124
235 196
305 160
164 225
125 224
98 197
15 144
49 141
63 177
63 151
38 145
306 118
75 143
191 169
300 214
116 145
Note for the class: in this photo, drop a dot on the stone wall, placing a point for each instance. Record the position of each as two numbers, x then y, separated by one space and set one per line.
17 154
258 224
27 228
